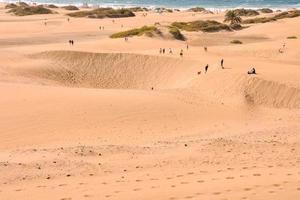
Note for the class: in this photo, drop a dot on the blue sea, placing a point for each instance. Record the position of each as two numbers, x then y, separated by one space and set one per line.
180 4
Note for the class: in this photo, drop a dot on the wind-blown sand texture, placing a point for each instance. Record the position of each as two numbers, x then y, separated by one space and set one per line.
109 119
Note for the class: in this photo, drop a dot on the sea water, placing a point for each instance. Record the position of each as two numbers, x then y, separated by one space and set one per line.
180 4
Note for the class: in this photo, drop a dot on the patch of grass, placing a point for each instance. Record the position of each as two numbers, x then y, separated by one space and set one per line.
10 6
205 26
236 42
147 30
30 10
197 9
138 9
103 13
291 37
175 32
52 6
22 4
265 10
283 15
245 12
70 7
258 20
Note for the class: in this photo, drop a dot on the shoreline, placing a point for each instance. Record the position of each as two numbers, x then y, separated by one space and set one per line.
154 7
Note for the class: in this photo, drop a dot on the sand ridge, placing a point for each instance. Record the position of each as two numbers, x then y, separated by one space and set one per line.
109 119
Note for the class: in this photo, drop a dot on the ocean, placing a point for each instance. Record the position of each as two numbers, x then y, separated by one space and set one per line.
180 4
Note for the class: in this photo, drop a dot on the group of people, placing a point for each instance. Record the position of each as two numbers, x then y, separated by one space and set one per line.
71 42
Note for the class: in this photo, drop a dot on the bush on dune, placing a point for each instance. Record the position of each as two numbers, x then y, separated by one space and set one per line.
103 13
70 7
147 30
51 6
283 15
205 26
245 12
30 10
197 9
175 32
292 37
138 9
265 10
10 6
236 42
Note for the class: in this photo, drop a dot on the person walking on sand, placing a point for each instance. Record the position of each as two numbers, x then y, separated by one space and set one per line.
187 46
163 51
222 63
170 51
206 68
205 49
160 51
181 53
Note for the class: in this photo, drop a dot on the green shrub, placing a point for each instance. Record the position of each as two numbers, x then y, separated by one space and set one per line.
70 7
147 30
138 9
283 15
52 6
205 26
197 9
236 42
292 37
30 10
10 6
175 32
245 12
265 10
103 13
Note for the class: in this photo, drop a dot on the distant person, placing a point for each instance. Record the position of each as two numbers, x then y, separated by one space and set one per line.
206 68
160 51
252 71
170 51
205 49
181 53
100 27
187 47
163 51
222 63
199 73
68 19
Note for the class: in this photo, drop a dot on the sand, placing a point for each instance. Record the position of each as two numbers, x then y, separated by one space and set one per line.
109 119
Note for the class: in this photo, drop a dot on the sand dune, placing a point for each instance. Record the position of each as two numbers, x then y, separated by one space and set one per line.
109 119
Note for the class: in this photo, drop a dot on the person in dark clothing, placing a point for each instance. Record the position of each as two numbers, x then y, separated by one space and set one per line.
206 68
222 63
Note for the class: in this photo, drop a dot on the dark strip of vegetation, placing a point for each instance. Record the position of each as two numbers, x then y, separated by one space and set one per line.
197 9
70 7
292 37
138 9
175 32
245 12
283 15
265 10
30 10
205 26
103 13
10 6
51 6
236 42
148 30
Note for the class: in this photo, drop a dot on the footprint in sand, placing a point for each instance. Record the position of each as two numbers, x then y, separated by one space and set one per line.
230 177
66 198
216 193
256 174
184 183
201 181
247 189
188 197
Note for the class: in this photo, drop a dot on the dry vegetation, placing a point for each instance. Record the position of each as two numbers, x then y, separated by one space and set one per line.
30 10
245 12
175 32
145 30
205 26
283 15
70 7
103 13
